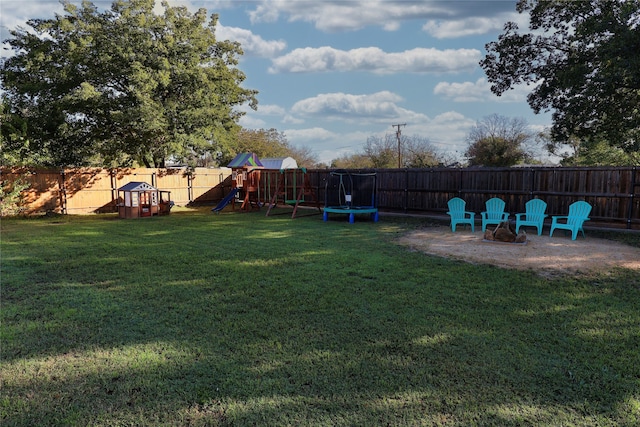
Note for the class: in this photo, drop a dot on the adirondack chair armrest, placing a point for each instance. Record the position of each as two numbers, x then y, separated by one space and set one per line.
555 219
465 214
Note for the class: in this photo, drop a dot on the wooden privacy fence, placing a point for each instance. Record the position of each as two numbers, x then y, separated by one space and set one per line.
95 190
614 193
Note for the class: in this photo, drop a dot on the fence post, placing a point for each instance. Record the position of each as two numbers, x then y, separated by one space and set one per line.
406 190
114 183
532 176
634 184
63 192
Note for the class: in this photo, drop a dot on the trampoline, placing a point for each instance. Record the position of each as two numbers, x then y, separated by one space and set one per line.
350 194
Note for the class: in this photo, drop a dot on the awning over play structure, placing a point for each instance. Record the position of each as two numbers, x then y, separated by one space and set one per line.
279 163
245 159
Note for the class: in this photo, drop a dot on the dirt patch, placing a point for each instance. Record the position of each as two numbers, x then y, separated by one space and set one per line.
543 254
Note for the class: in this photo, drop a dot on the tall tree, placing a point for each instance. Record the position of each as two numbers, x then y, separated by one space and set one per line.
582 59
263 142
382 152
419 153
125 85
272 143
591 152
498 141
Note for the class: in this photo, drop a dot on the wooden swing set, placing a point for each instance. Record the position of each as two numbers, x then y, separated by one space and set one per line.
288 190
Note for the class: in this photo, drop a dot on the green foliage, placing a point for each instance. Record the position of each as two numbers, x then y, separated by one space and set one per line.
582 59
270 143
498 141
494 151
14 146
419 153
600 153
353 161
11 196
276 322
590 152
382 152
263 142
125 85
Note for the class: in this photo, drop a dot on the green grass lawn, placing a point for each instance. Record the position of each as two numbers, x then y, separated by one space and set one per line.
241 319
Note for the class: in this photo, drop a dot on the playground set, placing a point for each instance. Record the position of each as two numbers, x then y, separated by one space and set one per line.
256 182
276 181
245 177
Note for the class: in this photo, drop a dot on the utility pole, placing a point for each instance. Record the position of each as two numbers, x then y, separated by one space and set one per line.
398 133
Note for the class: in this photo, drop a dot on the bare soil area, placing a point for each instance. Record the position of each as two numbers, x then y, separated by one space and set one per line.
549 256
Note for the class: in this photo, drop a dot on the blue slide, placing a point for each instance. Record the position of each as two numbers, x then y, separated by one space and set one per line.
224 202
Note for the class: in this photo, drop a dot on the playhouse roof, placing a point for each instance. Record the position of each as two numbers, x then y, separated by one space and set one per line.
245 159
280 163
137 186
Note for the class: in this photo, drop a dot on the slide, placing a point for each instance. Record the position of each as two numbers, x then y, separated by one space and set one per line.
224 202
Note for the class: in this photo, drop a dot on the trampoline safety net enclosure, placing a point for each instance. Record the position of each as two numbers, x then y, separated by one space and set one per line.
351 194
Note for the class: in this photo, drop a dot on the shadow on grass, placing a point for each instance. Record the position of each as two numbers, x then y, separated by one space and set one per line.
233 320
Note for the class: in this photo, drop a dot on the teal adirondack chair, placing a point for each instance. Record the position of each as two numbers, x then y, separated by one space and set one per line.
578 214
494 214
459 215
534 215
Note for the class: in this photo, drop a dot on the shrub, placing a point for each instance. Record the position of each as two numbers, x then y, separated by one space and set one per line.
11 197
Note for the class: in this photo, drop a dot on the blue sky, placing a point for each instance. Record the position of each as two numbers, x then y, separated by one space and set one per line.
330 74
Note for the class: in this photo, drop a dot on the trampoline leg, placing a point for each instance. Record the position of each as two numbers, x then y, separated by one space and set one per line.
352 218
374 216
325 216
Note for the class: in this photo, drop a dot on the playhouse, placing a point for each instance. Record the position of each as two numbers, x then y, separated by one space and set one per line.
139 199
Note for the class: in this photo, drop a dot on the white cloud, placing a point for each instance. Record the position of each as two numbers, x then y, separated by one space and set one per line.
473 25
254 119
479 91
465 27
252 44
271 110
328 145
334 16
310 135
373 59
342 106
250 121
464 92
447 133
